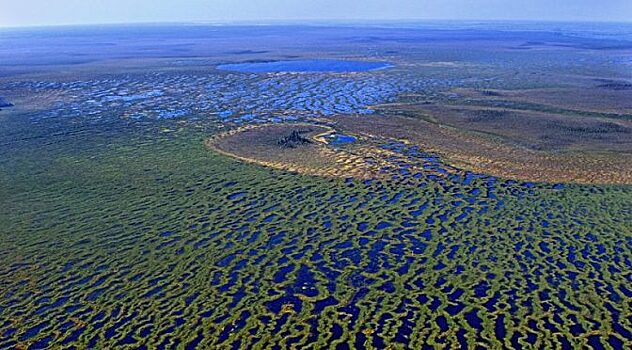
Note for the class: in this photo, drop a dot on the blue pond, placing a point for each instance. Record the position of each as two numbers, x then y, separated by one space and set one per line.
340 139
305 66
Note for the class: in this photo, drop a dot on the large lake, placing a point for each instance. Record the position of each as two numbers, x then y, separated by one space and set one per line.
305 66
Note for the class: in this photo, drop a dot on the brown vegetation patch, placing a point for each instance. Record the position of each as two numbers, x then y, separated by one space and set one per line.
611 97
264 145
532 129
495 156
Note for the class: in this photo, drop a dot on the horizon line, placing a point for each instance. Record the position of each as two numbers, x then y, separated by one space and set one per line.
311 22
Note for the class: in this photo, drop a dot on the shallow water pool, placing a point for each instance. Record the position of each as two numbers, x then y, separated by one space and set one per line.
340 139
305 66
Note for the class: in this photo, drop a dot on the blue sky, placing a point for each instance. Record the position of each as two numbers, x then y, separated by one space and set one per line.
54 12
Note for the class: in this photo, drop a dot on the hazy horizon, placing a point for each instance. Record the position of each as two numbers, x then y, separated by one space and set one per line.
99 12
316 22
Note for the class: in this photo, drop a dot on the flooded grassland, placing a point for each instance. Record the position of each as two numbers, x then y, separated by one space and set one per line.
157 202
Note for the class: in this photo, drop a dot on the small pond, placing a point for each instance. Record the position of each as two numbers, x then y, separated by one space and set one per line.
305 66
340 139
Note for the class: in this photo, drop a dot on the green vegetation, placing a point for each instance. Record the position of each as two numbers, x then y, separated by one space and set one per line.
103 251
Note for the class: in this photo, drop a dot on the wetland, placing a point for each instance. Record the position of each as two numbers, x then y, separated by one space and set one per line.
439 186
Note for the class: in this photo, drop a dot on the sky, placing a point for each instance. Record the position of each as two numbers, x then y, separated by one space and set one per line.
64 12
